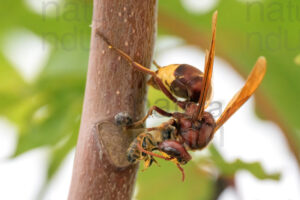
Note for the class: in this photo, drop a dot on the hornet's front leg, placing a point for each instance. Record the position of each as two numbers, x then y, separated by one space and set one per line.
150 111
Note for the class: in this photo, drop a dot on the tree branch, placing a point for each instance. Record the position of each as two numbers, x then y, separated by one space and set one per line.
101 170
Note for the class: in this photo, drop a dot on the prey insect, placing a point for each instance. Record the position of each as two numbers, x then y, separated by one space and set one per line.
194 128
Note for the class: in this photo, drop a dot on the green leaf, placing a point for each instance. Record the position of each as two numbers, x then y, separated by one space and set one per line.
229 169
47 111
164 182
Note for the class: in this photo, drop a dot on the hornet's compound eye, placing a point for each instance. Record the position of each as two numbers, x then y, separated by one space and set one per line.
123 119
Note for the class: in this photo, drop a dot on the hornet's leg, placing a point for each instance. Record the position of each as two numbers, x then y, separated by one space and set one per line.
143 69
150 111
156 65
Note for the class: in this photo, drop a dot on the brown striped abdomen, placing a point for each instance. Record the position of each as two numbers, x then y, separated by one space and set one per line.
182 80
188 83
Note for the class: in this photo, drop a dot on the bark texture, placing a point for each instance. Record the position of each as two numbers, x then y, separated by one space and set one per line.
100 167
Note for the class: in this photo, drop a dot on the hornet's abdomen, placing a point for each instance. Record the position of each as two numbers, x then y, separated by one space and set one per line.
188 81
182 80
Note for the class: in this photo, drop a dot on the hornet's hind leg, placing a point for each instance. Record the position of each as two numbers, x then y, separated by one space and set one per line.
143 69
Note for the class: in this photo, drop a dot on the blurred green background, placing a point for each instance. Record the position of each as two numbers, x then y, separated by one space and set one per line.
46 109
